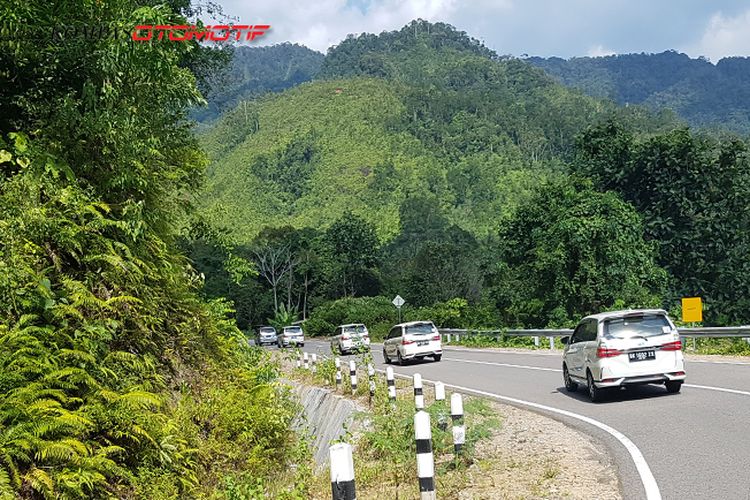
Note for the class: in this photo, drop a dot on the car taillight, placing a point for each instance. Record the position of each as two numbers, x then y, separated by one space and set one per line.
607 352
672 346
345 337
406 342
436 337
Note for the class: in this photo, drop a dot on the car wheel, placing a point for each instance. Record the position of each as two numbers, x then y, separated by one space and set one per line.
570 386
437 357
399 359
594 392
386 358
673 387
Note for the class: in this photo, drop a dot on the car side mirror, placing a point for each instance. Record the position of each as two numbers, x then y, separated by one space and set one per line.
565 340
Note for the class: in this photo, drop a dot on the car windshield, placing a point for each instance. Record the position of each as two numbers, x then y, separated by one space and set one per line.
420 329
356 329
648 325
267 330
294 330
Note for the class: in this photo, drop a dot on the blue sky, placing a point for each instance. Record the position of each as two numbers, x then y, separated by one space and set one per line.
563 28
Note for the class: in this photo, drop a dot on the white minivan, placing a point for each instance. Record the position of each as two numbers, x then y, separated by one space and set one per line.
291 335
622 348
414 340
350 338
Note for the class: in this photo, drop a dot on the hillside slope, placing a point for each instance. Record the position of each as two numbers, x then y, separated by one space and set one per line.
704 94
423 111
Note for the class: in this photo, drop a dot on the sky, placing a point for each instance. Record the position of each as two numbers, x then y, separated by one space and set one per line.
564 28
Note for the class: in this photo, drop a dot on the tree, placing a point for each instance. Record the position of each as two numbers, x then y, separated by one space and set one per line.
353 246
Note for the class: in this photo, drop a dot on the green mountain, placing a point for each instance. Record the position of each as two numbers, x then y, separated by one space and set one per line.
703 94
254 71
424 111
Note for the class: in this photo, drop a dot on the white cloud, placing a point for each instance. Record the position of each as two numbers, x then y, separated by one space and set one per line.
323 23
724 36
599 51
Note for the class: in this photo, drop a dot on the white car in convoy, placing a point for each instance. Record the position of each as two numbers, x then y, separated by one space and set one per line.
414 340
350 338
291 335
266 335
622 348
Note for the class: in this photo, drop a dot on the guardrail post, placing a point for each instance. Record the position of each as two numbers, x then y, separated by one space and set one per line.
449 337
337 362
371 378
418 395
552 342
536 341
304 358
353 375
440 397
314 362
425 460
391 384
342 472
457 415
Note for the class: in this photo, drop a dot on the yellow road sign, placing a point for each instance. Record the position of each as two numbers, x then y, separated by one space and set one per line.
692 310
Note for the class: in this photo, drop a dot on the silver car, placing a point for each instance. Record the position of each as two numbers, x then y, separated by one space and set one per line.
414 340
350 338
291 335
266 335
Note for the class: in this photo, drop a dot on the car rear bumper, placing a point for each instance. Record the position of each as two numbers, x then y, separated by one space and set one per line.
656 378
415 354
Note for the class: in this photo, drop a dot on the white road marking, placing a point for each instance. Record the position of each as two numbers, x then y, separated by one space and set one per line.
644 471
507 365
688 360
720 389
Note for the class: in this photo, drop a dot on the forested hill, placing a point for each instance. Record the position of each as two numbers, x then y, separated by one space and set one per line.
255 71
425 111
704 94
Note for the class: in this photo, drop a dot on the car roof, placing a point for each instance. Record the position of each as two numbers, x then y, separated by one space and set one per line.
412 323
352 324
624 312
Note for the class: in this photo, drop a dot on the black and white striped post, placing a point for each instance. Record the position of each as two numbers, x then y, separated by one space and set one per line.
342 472
371 379
391 384
425 460
299 359
353 375
418 395
314 362
304 358
337 362
457 415
440 396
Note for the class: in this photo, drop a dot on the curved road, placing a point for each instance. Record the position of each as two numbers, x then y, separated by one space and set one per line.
696 443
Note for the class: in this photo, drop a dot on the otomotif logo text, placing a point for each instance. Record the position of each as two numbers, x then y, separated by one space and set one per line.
215 33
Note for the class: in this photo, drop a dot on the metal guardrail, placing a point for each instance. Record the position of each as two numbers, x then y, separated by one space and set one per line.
698 332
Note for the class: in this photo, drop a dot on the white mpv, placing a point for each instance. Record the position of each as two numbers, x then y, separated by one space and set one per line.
622 348
414 340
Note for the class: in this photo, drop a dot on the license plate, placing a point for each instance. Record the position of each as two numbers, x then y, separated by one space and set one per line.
423 343
642 355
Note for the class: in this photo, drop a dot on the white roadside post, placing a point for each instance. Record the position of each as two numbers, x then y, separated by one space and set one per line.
353 375
314 362
342 472
418 395
337 361
440 396
536 341
371 378
304 358
552 342
457 415
391 384
425 461
299 359
449 338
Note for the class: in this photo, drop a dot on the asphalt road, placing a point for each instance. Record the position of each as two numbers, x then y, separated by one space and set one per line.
696 443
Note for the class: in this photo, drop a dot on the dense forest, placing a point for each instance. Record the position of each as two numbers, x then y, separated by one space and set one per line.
118 379
484 192
702 93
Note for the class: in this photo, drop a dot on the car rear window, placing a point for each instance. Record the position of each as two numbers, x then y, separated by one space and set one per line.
420 329
293 329
358 329
267 330
647 325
